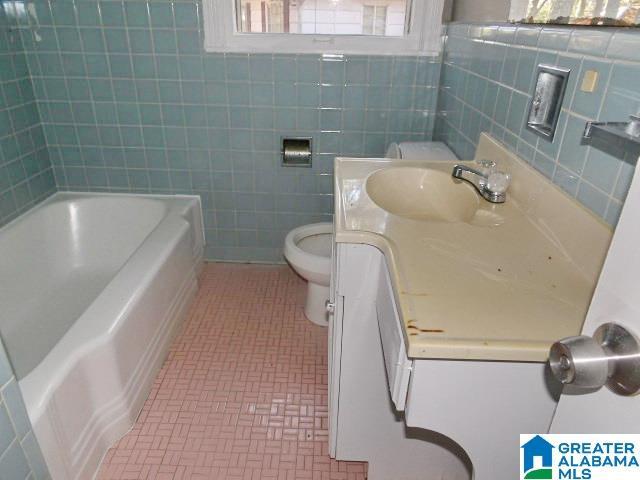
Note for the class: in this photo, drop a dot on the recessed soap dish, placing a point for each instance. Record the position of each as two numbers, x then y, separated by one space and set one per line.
546 103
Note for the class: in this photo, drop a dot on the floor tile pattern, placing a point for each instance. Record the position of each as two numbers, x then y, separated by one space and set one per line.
243 392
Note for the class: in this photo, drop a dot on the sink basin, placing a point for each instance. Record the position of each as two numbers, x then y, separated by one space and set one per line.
422 194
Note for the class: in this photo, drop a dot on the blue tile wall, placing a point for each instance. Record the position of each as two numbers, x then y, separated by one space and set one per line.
20 455
26 176
129 102
487 81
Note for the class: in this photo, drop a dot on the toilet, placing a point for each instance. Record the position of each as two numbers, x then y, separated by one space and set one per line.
308 248
420 151
308 251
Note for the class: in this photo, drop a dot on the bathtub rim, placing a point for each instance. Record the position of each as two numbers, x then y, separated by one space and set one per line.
62 195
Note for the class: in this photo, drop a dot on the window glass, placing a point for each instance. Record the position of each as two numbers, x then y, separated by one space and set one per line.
374 20
275 16
577 12
332 17
245 16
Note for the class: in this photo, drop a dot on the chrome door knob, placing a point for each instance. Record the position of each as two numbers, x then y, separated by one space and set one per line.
611 358
579 361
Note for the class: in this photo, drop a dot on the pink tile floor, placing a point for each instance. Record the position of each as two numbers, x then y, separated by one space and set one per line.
243 392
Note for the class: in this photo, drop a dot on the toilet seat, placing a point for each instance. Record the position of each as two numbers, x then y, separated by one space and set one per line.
315 268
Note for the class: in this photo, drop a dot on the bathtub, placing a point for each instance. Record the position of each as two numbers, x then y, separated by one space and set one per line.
93 288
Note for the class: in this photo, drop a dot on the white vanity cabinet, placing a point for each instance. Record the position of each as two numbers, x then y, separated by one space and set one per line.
364 422
420 418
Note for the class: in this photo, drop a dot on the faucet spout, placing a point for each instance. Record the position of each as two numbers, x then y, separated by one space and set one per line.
479 181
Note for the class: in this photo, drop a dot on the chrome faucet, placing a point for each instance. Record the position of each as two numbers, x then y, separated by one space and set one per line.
488 191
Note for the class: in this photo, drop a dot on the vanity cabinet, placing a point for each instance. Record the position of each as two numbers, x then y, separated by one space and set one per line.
420 418
365 424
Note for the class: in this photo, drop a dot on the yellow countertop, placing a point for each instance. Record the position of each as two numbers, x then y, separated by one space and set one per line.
504 287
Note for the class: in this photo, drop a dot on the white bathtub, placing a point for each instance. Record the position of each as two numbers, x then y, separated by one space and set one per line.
92 288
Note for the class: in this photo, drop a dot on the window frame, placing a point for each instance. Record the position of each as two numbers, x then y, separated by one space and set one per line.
424 37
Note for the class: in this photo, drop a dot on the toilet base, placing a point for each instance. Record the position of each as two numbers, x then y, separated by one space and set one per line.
315 309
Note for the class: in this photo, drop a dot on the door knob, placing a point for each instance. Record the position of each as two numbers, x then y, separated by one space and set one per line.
611 357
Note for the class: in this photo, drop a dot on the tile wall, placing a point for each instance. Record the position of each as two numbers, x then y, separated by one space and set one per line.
131 103
487 80
20 456
26 176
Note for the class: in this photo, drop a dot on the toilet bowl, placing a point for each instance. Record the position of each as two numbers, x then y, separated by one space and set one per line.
308 250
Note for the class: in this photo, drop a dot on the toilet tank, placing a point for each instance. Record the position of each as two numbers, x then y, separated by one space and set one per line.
420 151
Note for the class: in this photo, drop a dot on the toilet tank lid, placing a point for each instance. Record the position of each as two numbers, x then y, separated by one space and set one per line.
420 151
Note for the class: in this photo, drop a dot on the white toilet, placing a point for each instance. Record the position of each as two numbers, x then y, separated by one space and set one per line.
308 250
420 151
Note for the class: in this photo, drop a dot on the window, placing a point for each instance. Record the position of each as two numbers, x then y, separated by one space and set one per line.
275 16
374 20
345 17
409 27
619 13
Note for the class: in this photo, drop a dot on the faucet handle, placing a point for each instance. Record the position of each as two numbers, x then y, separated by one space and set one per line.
486 167
498 182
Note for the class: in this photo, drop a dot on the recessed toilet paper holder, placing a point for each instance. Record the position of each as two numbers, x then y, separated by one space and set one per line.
296 151
546 103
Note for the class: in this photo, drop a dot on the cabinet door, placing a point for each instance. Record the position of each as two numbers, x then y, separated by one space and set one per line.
395 354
